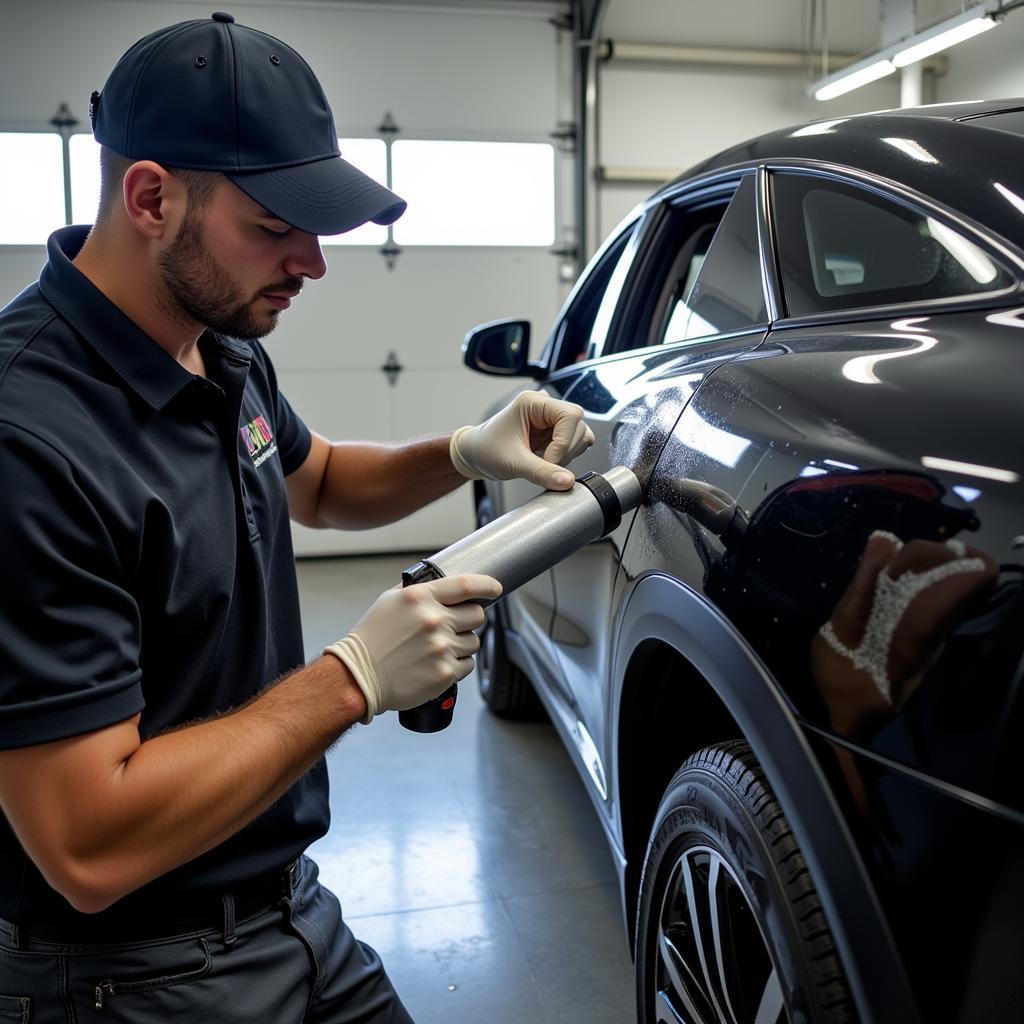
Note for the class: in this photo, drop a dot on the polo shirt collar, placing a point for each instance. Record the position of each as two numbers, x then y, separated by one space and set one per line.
142 364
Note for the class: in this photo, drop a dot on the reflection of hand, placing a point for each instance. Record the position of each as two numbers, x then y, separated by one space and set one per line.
890 624
531 438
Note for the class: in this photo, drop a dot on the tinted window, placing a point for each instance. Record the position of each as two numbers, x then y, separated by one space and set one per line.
582 332
692 244
704 275
843 247
728 294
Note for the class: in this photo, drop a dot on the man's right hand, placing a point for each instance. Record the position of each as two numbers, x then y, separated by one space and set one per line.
104 812
415 641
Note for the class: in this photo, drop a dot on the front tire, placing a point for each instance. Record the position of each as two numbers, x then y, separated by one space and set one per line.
730 927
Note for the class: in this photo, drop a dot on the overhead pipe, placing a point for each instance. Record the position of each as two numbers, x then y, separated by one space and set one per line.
616 50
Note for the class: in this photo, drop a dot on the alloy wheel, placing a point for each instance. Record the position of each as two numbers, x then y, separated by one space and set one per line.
712 964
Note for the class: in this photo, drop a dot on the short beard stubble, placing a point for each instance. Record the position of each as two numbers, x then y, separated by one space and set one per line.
199 290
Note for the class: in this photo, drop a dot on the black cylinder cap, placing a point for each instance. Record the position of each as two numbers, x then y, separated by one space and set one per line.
228 19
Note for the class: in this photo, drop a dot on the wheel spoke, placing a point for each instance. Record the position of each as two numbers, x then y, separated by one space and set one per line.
665 1012
772 1003
720 924
681 978
700 899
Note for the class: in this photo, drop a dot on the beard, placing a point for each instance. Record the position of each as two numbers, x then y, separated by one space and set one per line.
201 291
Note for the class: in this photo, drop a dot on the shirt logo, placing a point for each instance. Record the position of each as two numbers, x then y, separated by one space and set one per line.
259 441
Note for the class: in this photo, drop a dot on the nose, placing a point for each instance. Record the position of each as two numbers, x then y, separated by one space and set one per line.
306 259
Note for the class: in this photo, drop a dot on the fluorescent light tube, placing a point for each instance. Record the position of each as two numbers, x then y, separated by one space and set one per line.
977 23
855 79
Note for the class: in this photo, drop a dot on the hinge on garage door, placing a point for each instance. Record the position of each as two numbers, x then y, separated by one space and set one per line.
392 368
388 129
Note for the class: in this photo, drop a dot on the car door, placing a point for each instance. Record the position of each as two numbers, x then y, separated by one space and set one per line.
691 299
877 421
528 612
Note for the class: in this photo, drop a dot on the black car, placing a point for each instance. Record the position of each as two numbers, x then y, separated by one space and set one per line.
793 681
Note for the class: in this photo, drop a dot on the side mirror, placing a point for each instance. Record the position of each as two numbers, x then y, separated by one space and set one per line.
501 348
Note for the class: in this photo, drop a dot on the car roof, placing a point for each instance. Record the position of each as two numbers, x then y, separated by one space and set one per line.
954 153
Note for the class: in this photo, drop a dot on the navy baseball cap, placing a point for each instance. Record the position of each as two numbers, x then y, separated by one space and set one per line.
211 95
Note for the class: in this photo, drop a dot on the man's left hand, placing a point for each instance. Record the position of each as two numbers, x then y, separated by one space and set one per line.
531 438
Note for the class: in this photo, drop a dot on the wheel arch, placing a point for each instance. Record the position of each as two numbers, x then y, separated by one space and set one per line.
736 697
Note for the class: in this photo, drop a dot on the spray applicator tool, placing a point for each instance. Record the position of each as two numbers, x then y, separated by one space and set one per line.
522 544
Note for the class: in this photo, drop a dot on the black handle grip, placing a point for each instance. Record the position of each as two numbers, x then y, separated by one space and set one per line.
433 716
436 714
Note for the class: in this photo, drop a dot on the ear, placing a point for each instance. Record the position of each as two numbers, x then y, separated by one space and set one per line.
154 199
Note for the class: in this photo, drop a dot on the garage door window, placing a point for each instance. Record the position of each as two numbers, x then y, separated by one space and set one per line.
475 193
84 154
844 247
31 187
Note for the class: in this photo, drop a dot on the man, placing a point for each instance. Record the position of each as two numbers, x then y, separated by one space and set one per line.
161 768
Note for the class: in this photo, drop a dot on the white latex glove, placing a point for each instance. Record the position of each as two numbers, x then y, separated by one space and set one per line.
531 438
414 642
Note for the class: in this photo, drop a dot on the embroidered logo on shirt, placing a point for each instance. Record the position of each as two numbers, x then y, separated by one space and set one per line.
259 441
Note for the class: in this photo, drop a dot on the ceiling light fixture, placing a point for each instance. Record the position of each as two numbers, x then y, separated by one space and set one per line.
852 78
979 18
944 35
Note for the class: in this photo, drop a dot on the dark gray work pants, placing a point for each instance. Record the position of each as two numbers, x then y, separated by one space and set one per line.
294 962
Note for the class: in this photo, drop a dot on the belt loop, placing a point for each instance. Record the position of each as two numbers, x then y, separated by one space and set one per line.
229 919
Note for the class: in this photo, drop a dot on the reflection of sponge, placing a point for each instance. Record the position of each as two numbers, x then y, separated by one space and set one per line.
889 603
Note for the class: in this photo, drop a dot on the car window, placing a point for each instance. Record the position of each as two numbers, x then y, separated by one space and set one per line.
841 246
702 274
727 292
676 318
584 328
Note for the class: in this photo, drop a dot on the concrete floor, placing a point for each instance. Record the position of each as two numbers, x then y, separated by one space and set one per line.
471 859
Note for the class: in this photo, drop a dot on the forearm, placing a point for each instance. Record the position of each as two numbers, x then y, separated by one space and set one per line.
366 485
182 793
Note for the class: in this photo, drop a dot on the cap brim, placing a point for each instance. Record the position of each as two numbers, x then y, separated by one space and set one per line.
325 197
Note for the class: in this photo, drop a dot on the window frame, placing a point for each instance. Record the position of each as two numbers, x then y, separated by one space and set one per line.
644 306
895 193
632 229
663 209
762 324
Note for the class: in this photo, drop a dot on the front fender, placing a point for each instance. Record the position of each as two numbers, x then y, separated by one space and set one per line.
659 607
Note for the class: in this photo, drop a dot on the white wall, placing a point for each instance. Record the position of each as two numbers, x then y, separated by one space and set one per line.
438 71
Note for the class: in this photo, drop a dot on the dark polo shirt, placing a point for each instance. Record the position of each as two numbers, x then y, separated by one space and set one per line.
147 562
